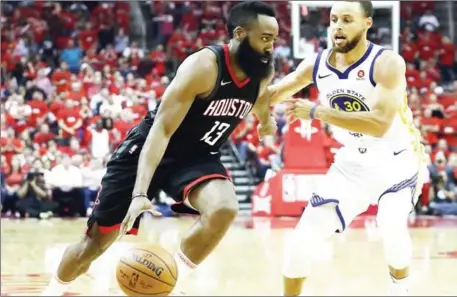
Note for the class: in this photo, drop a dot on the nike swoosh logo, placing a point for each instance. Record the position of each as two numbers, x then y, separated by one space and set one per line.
324 76
223 83
399 152
214 153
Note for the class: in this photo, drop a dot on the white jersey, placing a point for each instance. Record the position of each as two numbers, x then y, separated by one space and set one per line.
353 91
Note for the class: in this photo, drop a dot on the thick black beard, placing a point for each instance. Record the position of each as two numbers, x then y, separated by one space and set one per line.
349 46
250 62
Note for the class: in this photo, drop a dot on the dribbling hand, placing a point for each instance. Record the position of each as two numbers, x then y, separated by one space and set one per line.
138 205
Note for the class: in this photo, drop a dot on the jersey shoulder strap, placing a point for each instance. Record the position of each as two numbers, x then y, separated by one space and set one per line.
219 52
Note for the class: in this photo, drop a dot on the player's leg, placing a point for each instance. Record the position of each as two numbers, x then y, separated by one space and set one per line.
102 231
316 225
216 201
201 187
399 181
110 208
393 211
339 198
78 257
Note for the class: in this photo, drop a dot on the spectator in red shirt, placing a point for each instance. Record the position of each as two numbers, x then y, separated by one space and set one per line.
412 74
189 21
61 78
430 126
160 58
244 137
11 145
39 109
424 83
69 120
160 89
88 38
43 136
124 123
92 58
109 55
74 147
409 52
432 70
20 113
447 55
451 110
207 34
174 38
427 47
76 93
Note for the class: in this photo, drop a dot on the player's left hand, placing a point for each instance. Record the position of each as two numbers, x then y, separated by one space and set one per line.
298 109
267 129
138 205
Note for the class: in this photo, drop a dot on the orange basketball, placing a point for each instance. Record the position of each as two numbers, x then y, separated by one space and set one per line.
146 270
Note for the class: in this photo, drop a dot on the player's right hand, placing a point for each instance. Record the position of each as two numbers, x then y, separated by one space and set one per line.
138 205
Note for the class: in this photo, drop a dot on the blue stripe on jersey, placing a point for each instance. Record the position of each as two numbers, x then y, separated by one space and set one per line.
372 67
345 74
316 67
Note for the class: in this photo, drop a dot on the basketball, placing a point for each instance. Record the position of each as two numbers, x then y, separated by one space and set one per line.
146 270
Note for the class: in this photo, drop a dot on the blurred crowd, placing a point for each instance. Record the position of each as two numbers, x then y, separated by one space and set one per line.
432 85
74 81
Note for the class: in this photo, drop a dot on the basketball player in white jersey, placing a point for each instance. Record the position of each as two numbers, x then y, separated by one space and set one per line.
362 95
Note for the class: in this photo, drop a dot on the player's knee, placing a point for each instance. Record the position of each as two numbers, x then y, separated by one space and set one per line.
94 244
391 219
316 226
216 201
224 212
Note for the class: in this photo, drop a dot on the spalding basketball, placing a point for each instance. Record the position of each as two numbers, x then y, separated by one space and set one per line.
146 270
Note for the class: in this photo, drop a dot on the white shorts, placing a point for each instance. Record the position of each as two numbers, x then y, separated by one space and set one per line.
360 177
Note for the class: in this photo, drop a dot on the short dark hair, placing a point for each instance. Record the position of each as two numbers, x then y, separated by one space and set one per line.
242 14
367 7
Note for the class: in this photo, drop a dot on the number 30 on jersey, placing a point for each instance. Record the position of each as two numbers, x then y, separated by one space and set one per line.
348 103
217 131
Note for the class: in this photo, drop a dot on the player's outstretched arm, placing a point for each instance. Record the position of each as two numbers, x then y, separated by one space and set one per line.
262 105
196 76
389 75
267 123
293 82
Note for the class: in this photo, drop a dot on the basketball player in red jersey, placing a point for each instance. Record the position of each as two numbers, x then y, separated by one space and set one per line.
176 147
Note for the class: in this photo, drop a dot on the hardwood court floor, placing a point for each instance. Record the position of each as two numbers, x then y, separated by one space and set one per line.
248 262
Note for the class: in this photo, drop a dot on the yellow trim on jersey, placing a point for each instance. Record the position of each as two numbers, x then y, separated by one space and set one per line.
417 146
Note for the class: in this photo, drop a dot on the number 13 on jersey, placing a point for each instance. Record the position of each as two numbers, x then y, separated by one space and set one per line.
217 131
